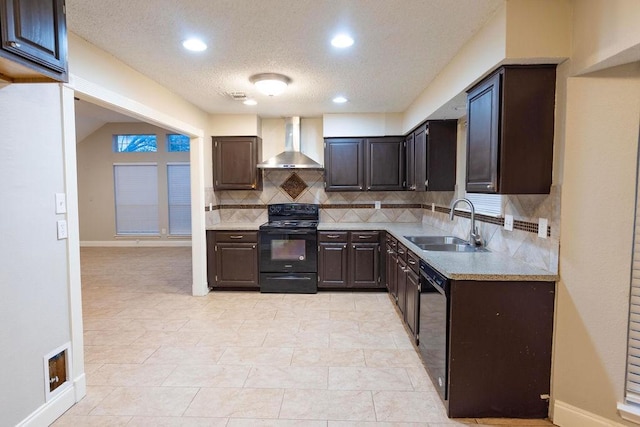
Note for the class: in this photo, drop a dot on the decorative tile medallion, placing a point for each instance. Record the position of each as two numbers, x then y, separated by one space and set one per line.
294 185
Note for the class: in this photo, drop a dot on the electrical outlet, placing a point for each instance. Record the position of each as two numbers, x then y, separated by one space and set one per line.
62 229
377 204
508 222
543 223
433 207
61 203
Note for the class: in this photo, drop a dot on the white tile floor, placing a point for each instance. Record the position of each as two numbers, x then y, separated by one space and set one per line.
156 356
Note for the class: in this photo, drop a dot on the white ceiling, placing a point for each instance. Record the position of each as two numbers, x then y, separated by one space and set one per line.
400 46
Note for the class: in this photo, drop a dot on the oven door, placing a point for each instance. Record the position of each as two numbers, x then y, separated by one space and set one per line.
288 251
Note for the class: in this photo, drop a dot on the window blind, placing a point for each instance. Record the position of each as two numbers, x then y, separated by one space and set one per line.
179 186
486 204
136 194
633 351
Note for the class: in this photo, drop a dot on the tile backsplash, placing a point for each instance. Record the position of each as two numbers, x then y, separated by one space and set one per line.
398 206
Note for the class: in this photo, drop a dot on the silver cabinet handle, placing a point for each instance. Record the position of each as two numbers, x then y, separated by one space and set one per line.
333 236
412 262
236 237
364 237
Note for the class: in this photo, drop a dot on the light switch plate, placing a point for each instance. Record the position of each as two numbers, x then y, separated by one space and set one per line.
508 222
433 207
542 227
61 203
377 204
62 229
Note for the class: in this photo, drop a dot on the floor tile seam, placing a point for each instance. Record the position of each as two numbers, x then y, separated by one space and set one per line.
193 398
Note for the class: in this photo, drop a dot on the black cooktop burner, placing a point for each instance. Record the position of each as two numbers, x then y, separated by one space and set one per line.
292 215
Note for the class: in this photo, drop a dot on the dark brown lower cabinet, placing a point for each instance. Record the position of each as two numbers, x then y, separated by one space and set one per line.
332 265
500 336
401 284
392 260
232 259
412 298
349 259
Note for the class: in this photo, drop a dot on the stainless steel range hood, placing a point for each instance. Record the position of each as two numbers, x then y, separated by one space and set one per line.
291 157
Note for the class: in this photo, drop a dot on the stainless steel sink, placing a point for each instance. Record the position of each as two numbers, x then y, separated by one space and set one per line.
444 244
435 240
452 247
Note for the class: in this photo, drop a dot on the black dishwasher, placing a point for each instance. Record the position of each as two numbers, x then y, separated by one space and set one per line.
433 340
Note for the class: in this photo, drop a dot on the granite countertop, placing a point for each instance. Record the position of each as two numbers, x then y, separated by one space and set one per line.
454 265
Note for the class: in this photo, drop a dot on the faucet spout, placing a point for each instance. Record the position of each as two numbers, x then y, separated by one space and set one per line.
474 235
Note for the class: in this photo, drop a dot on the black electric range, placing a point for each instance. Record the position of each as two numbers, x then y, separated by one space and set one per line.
289 249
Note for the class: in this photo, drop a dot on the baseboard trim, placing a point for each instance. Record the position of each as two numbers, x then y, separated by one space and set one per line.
135 243
46 414
565 415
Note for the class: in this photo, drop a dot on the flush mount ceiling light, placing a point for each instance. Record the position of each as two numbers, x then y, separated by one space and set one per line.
342 41
270 84
194 45
250 102
340 99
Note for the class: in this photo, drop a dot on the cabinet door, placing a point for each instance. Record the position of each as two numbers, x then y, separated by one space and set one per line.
364 265
441 155
391 270
401 283
412 299
211 258
236 265
36 31
420 156
234 163
384 164
410 162
332 265
483 112
344 164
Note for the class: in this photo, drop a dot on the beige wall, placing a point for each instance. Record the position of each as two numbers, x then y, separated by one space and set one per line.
598 199
95 180
373 124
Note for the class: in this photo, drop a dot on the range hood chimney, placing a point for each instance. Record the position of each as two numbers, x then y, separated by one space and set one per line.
291 157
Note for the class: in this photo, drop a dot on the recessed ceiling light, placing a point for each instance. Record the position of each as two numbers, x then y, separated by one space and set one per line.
194 45
342 41
250 102
340 99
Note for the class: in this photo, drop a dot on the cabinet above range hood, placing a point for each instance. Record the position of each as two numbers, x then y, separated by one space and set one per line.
291 157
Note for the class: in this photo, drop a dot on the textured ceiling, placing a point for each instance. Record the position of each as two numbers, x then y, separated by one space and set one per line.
400 46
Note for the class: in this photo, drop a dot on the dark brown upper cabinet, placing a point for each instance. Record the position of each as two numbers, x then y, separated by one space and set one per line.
235 160
344 164
510 124
33 37
431 156
384 164
364 164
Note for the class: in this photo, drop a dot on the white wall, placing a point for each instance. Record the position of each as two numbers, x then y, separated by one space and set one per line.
34 285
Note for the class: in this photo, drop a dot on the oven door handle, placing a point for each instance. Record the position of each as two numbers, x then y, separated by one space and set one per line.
288 278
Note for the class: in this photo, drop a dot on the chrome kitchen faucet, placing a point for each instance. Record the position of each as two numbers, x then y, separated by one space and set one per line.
474 236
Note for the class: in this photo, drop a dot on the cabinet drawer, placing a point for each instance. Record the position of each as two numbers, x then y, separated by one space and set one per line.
402 251
391 241
333 236
365 236
236 236
413 261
